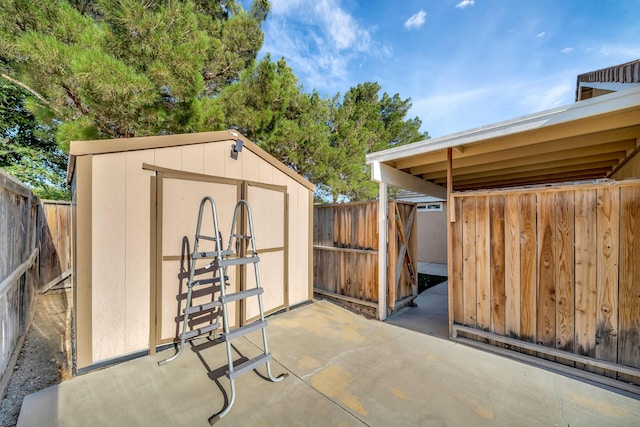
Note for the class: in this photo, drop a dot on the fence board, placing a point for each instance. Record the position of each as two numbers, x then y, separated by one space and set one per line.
629 323
585 272
512 288
497 265
483 259
546 328
528 263
607 252
469 261
565 308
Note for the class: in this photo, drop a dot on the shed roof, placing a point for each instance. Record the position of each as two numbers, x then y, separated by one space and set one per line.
586 140
103 146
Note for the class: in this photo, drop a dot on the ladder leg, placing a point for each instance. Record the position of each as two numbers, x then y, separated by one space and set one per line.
226 410
184 331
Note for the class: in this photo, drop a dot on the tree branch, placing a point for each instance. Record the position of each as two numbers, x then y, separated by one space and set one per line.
27 88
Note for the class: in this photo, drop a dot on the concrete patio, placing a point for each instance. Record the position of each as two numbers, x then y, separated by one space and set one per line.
343 370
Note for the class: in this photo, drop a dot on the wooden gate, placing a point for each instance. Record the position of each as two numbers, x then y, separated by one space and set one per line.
345 254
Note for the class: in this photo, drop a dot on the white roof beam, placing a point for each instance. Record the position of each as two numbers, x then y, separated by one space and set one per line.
391 176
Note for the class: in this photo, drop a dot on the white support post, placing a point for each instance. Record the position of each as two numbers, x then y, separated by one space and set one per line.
382 251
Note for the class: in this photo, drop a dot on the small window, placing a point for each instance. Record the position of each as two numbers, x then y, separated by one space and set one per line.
430 207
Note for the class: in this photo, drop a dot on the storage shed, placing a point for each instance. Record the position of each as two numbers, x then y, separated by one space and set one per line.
135 209
544 229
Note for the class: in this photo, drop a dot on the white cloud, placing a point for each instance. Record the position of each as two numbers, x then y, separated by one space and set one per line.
416 20
535 99
321 40
465 3
567 50
542 34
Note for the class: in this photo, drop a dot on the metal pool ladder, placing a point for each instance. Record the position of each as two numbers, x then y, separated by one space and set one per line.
245 253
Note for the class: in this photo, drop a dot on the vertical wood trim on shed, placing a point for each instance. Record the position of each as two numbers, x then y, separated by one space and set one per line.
153 267
310 245
159 200
83 296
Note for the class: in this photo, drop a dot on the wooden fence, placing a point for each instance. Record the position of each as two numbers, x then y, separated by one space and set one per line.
31 257
345 254
555 271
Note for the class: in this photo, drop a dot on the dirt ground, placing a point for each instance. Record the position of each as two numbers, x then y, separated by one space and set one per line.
43 359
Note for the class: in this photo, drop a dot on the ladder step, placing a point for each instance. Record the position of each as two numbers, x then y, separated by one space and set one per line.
241 236
202 307
237 261
200 331
243 330
248 365
241 295
203 237
208 281
211 254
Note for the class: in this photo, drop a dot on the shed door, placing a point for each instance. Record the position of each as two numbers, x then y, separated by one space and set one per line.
178 203
269 211
177 196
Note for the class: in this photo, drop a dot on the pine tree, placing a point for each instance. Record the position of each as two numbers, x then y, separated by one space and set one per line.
123 68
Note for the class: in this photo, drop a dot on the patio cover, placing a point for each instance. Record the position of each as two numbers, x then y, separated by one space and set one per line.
590 139
587 140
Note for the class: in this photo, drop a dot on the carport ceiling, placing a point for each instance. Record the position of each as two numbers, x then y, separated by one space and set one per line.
587 140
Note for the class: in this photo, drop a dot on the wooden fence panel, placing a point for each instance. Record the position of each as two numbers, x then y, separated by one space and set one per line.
19 271
563 271
55 240
345 251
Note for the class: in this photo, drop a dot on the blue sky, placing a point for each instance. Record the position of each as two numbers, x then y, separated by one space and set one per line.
463 63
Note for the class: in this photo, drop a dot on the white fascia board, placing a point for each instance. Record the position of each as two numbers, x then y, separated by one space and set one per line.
391 176
580 110
615 86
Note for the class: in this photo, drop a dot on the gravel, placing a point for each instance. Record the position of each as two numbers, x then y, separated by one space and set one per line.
43 360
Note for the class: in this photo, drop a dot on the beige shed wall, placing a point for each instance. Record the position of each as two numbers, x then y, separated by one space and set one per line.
432 235
119 294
